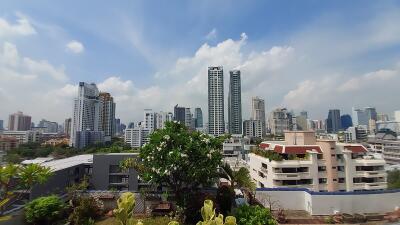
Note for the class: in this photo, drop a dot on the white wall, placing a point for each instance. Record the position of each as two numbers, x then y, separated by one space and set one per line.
327 204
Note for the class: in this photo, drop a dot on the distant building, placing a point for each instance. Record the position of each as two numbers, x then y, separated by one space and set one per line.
137 137
162 118
131 125
302 121
383 117
87 117
252 128
397 116
50 127
333 123
216 118
198 118
346 121
358 133
235 103
67 127
362 116
23 136
118 127
1 125
188 119
149 120
7 144
280 120
107 115
258 112
19 122
179 114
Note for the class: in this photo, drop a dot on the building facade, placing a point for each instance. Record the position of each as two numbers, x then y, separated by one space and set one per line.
216 118
302 161
333 123
67 127
252 128
179 114
258 112
362 116
19 122
50 127
137 137
107 115
198 118
280 120
235 103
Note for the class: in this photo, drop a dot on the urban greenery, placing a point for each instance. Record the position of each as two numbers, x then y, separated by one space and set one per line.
271 155
44 210
393 179
254 215
84 210
238 179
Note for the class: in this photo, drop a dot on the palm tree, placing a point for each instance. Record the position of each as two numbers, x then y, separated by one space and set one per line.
238 179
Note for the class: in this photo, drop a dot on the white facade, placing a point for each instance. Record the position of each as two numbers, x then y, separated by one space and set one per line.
137 137
162 118
258 112
23 136
397 116
216 119
321 165
188 118
87 111
149 120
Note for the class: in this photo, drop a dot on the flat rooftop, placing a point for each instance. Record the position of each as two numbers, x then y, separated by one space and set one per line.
60 164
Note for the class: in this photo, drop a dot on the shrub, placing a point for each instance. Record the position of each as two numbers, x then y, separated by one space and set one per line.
225 196
210 218
253 215
44 210
124 212
85 209
194 202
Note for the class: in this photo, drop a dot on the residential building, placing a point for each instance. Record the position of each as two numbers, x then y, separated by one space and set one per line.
118 127
67 127
252 129
19 122
383 117
258 111
302 161
188 119
87 116
397 116
346 121
333 123
216 118
235 103
86 138
131 125
149 120
198 118
137 137
302 121
49 127
362 116
279 121
1 125
107 115
56 142
387 144
162 118
179 114
23 136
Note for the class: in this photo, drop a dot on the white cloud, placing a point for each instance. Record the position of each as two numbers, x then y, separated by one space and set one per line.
22 27
212 35
75 47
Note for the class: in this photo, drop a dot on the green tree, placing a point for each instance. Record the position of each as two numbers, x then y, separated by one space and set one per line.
238 179
393 179
44 210
15 177
254 215
179 158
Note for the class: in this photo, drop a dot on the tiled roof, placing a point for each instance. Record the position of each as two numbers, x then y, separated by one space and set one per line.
264 145
355 148
296 149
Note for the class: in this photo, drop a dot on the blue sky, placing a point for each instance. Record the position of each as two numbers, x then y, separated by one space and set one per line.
311 55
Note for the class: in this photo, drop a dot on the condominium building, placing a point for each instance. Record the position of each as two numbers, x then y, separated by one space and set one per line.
388 145
216 119
137 137
320 165
19 122
333 123
280 120
87 114
189 119
49 126
67 127
198 118
107 115
1 125
235 103
85 138
258 112
149 120
162 118
252 128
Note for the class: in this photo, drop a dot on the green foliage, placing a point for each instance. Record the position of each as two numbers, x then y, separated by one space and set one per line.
393 179
124 212
238 179
210 218
85 210
225 196
254 215
44 210
170 155
271 155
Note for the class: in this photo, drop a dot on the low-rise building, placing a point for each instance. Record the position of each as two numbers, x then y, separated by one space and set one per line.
56 141
6 144
319 165
388 145
23 136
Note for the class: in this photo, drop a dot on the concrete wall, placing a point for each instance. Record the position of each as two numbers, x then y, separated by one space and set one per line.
321 203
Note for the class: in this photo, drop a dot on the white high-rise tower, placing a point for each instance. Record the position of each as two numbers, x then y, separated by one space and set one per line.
216 120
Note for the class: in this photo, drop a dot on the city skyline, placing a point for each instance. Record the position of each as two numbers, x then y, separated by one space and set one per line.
282 59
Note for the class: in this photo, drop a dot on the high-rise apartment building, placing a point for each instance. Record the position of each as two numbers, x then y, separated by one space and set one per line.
198 116
87 114
179 114
67 126
258 111
149 120
19 122
333 123
235 103
162 118
188 118
252 128
137 137
302 121
48 126
107 115
280 120
216 119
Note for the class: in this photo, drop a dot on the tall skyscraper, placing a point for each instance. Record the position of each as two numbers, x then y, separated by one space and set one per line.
346 121
49 127
67 127
216 119
19 122
179 114
333 123
107 115
188 118
362 116
1 125
235 103
198 116
258 111
86 115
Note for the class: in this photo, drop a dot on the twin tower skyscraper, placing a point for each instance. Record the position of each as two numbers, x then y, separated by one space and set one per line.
216 114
